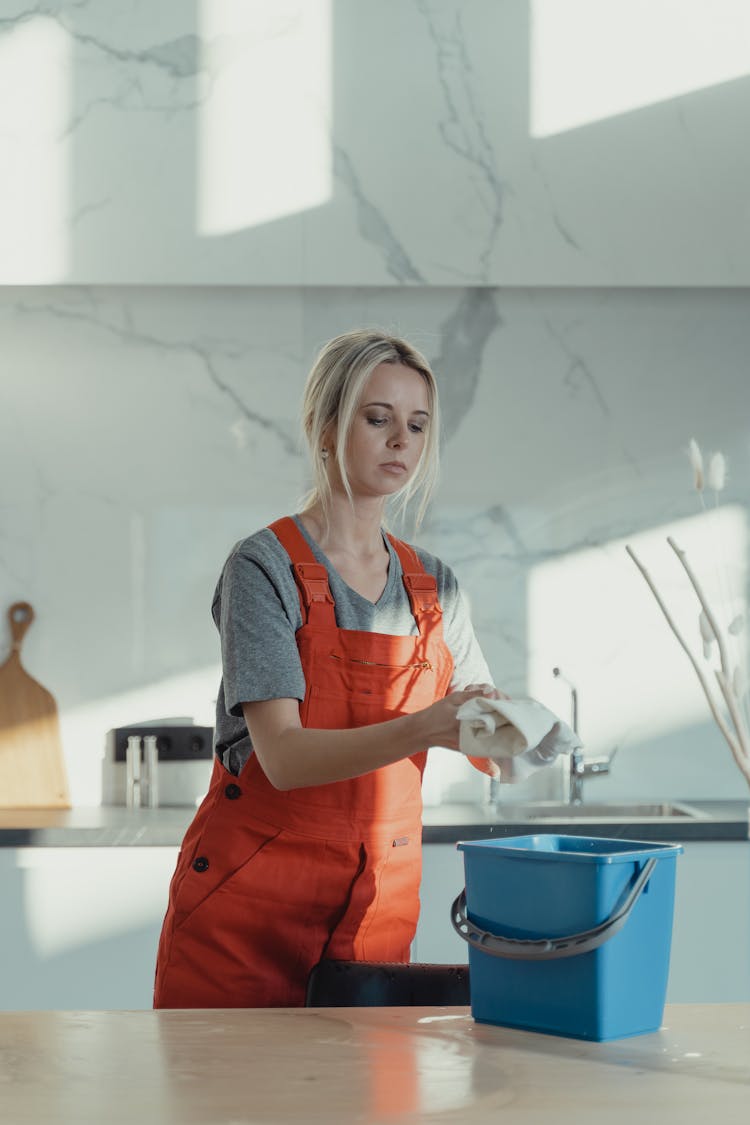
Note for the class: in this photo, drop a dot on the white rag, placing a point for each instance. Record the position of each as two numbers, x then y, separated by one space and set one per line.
520 735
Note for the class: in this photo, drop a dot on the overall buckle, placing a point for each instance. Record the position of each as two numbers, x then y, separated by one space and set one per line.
422 590
313 577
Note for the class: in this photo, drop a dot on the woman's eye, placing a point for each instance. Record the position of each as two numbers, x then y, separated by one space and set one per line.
379 420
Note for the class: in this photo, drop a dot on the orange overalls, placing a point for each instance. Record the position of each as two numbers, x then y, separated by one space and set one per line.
269 882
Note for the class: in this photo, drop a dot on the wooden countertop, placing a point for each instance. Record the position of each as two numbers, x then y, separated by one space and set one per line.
365 1065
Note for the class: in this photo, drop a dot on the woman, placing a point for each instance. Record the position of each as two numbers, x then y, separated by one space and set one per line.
342 649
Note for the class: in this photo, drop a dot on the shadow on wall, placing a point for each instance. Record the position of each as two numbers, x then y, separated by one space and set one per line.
245 135
229 190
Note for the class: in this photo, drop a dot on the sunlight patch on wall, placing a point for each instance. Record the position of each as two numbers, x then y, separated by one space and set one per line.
592 614
35 99
264 146
107 901
594 59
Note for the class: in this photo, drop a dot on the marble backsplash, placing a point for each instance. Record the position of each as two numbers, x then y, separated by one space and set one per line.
345 142
143 430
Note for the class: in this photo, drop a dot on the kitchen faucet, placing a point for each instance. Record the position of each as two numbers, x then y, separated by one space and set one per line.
579 768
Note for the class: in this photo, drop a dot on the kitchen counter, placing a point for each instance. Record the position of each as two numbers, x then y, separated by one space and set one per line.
365 1065
115 826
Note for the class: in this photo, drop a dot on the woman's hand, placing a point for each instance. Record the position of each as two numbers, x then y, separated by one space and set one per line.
486 765
442 728
489 690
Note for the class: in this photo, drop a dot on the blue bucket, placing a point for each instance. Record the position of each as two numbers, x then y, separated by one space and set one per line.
568 935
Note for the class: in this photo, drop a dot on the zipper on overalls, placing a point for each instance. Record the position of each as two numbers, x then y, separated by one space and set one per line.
378 663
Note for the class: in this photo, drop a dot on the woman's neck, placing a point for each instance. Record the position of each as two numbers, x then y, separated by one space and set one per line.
351 530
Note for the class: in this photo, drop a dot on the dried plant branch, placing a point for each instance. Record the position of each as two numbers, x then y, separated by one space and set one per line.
734 744
704 605
741 753
724 677
730 685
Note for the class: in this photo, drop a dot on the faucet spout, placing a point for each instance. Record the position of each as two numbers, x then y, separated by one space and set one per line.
573 699
579 767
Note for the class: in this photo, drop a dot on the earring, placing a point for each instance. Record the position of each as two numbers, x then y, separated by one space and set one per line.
324 454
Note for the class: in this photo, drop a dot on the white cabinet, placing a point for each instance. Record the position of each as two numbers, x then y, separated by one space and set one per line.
442 879
80 926
711 936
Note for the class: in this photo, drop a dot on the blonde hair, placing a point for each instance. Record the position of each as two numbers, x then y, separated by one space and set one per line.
332 395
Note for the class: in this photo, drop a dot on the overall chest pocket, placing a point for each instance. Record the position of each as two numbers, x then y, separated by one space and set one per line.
340 675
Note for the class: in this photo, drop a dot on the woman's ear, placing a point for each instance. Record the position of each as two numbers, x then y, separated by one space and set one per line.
328 444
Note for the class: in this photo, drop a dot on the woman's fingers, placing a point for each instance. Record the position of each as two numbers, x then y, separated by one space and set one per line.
444 726
488 690
486 765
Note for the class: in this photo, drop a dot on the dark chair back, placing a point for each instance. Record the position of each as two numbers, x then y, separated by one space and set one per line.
372 984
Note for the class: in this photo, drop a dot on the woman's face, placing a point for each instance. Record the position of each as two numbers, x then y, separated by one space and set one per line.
388 432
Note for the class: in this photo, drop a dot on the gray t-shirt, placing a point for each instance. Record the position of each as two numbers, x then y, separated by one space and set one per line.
257 612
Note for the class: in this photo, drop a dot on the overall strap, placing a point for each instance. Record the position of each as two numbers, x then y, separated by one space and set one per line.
316 600
421 587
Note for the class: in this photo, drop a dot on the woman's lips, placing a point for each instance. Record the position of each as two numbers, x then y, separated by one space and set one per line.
396 467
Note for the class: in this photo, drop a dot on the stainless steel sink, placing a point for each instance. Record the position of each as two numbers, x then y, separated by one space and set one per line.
552 810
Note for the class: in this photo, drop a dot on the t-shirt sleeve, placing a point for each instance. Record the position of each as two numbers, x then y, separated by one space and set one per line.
470 666
260 658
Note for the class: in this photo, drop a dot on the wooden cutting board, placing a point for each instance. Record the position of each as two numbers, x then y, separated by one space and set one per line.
32 767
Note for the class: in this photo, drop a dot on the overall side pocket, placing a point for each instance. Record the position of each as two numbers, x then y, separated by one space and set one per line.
222 851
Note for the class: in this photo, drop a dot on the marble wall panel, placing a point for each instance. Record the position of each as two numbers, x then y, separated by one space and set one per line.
341 142
144 430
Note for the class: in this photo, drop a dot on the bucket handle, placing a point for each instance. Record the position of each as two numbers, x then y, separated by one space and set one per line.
548 949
